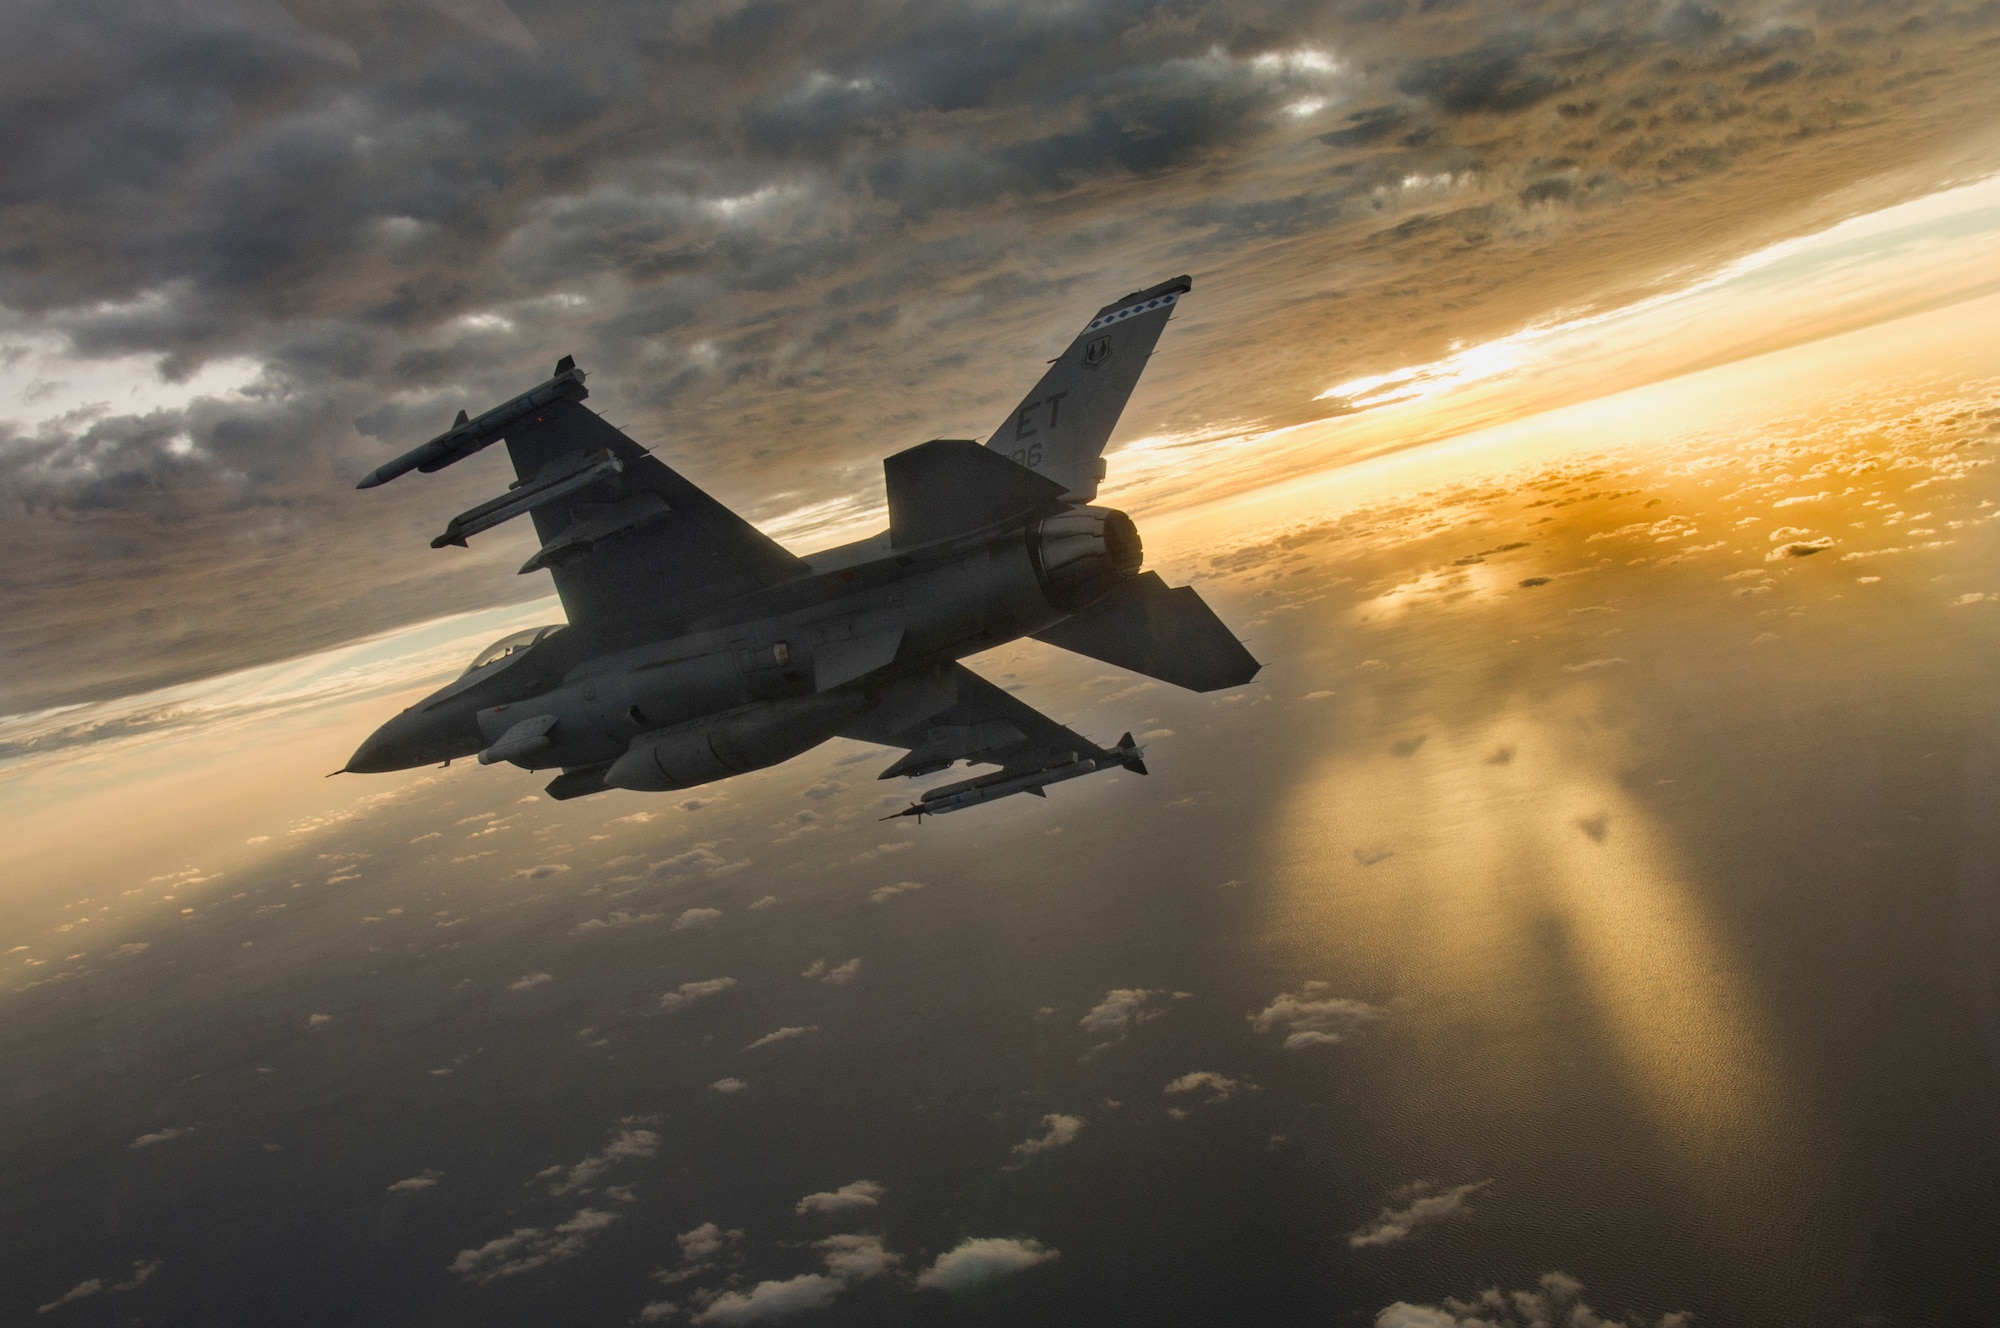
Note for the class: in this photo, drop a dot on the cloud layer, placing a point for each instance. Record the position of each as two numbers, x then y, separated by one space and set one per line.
1416 1205
1312 1016
975 1261
251 247
1557 1302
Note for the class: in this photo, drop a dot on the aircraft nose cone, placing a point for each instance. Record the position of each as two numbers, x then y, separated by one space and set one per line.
391 747
425 734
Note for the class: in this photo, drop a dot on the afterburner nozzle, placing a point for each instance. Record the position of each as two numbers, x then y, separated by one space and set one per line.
1082 554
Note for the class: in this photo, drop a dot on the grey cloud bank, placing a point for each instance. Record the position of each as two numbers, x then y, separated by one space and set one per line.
791 239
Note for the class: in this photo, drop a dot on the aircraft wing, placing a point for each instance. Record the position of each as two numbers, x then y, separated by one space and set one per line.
952 714
624 536
638 541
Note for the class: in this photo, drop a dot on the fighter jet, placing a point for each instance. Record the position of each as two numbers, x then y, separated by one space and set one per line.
697 648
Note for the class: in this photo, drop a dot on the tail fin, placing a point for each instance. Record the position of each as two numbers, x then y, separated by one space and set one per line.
1059 430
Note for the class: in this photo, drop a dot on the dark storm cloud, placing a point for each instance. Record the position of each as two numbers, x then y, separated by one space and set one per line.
1367 126
1494 77
789 238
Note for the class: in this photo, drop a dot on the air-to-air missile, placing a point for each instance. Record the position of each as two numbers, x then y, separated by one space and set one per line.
1001 784
697 648
466 436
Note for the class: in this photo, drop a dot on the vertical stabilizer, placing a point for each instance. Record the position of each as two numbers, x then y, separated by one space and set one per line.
1059 430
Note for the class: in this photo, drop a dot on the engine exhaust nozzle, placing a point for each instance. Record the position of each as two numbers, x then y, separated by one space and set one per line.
1083 554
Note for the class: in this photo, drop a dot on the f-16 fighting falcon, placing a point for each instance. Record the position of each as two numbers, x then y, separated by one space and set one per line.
697 648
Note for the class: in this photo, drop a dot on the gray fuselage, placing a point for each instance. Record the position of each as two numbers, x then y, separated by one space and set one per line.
761 677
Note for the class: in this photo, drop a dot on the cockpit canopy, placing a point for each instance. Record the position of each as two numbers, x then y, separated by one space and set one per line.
508 646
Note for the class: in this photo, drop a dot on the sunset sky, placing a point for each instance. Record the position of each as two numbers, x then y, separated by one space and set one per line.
1583 411
254 248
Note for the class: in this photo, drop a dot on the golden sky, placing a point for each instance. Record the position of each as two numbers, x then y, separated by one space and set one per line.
1568 635
1891 303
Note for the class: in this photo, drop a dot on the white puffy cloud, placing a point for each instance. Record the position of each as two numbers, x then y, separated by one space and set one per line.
1208 1081
1059 1131
783 1035
630 1142
1121 1009
690 992
768 1301
856 1258
103 1286
161 1136
854 1194
881 851
696 917
729 1084
699 1249
1558 1303
618 918
976 1261
882 894
1402 1314
701 860
849 1259
1417 1204
530 980
837 976
528 1248
1311 1017
704 1242
411 1184
541 871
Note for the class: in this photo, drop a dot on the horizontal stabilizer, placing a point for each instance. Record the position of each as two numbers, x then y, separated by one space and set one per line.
1161 631
953 486
952 714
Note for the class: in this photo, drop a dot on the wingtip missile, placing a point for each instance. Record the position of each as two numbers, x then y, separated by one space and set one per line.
467 434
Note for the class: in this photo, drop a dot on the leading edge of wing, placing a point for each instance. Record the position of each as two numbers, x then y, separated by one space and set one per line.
642 540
